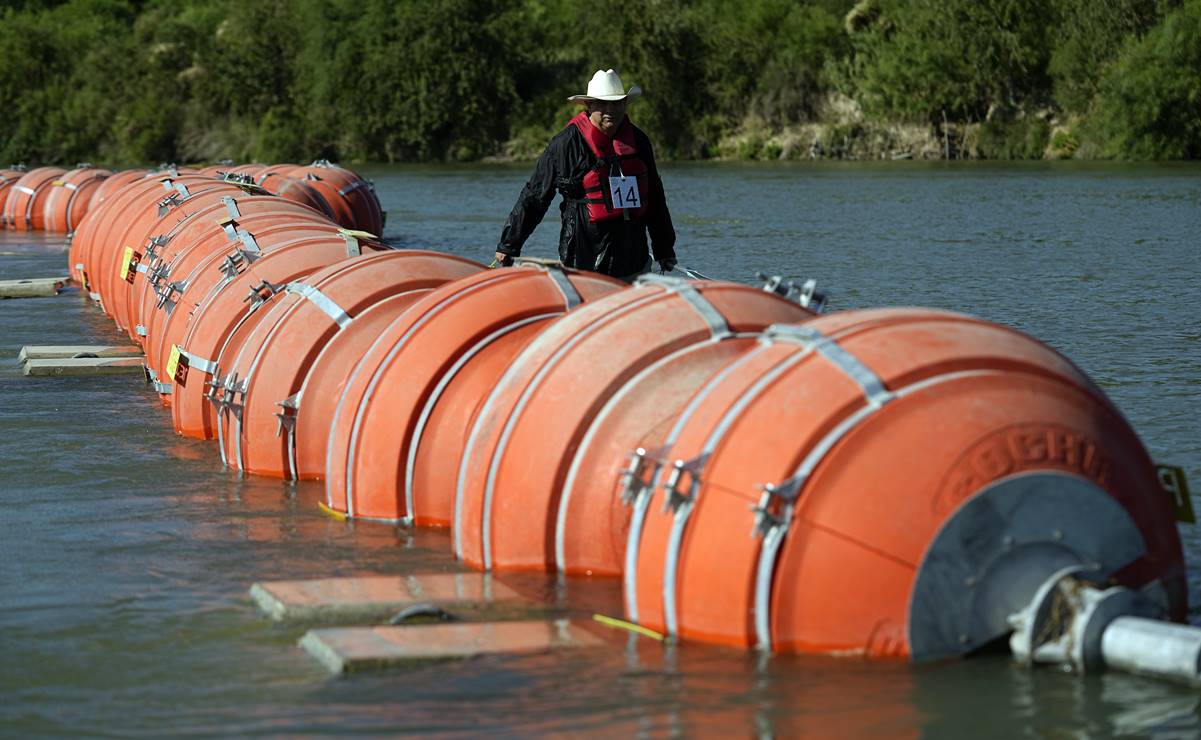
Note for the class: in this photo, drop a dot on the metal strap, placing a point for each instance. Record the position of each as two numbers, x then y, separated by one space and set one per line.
249 242
806 336
353 248
165 389
182 190
196 362
231 206
571 296
321 301
716 322
353 187
140 330
25 189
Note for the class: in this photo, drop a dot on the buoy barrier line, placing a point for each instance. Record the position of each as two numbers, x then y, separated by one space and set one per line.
436 395
386 274
642 499
569 484
511 374
356 426
503 482
571 297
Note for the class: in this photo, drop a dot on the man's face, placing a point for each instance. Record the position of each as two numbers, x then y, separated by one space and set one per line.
606 114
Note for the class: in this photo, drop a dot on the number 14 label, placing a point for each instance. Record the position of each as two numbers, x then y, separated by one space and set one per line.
624 191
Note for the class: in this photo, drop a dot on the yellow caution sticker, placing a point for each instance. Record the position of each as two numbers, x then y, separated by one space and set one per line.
177 365
125 262
59 183
1175 485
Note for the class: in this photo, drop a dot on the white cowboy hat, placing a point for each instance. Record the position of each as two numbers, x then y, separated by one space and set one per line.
606 85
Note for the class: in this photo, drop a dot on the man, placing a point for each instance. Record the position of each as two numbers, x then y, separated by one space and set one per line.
612 195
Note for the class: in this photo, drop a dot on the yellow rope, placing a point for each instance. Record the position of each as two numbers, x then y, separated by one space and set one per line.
621 624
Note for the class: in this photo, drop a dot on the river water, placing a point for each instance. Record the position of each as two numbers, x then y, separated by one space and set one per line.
126 552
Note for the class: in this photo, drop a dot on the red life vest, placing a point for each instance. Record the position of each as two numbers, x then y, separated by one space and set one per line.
613 155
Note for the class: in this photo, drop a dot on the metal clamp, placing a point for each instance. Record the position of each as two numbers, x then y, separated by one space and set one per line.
261 293
765 517
166 292
674 497
632 472
805 294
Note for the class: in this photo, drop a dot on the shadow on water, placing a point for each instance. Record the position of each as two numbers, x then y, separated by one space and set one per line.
128 551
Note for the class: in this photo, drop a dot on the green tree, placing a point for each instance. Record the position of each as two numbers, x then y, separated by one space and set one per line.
1149 104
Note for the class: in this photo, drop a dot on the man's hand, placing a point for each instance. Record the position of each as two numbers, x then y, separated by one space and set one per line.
667 265
503 260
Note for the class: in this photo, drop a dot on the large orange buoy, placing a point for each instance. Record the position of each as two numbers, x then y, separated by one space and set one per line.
95 217
8 178
153 216
272 362
95 241
380 439
351 198
221 223
70 197
287 182
936 469
228 311
23 209
520 448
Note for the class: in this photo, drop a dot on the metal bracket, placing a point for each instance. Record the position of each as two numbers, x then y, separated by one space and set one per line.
765 517
674 497
631 473
805 294
261 293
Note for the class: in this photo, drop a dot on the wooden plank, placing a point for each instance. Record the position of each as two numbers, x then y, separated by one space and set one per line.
350 649
376 597
66 351
85 366
32 288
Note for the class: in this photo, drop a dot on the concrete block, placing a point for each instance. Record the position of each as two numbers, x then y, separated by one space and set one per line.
350 649
60 352
32 288
85 366
376 597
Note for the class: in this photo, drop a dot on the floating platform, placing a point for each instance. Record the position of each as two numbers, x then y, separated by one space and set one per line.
77 366
379 597
33 287
67 351
352 649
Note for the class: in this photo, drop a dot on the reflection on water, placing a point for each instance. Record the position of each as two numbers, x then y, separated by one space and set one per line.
127 551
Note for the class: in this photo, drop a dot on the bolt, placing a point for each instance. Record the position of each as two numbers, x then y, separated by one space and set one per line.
1057 534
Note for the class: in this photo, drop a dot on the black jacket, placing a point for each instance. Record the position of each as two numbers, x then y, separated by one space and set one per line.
617 247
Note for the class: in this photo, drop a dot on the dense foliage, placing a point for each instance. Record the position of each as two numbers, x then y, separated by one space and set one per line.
187 80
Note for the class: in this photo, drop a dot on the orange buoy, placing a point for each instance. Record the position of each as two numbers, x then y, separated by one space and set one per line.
351 198
70 197
518 453
286 181
935 470
152 216
272 362
95 217
94 240
381 438
8 178
228 311
167 267
23 209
